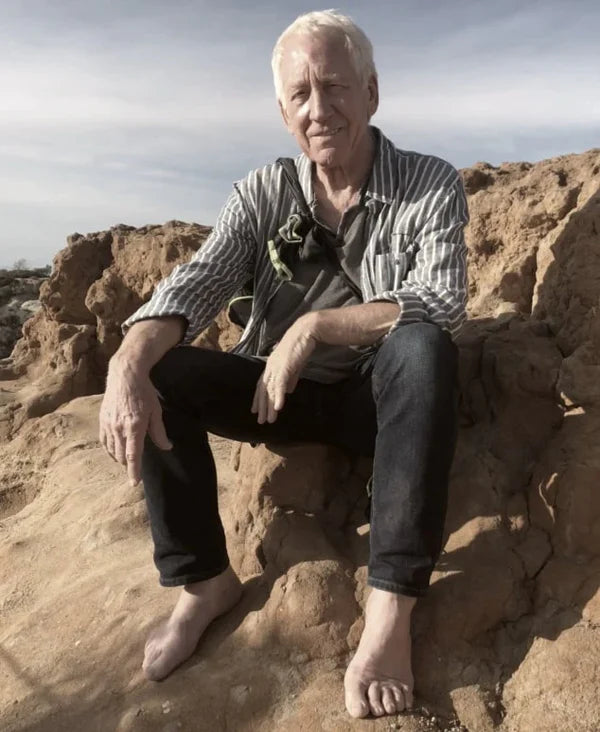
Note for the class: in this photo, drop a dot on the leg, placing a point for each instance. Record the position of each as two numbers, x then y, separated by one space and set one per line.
207 391
413 382
204 390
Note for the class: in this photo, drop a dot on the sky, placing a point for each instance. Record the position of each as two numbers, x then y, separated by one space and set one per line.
143 111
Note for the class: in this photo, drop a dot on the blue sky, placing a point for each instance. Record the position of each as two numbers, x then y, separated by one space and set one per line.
143 111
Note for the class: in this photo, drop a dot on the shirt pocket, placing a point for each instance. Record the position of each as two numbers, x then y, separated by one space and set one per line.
391 267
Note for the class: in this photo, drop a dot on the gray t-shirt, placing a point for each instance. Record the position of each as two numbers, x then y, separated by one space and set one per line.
317 284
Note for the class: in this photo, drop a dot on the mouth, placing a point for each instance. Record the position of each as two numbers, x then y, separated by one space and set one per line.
328 133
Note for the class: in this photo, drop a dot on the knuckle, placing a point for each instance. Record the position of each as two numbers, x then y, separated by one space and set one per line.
134 442
129 423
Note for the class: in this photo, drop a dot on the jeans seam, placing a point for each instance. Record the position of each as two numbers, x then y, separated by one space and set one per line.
187 579
396 587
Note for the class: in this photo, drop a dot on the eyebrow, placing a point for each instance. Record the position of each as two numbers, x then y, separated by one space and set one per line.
329 78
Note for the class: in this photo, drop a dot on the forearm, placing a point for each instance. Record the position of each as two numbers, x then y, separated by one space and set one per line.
147 341
355 325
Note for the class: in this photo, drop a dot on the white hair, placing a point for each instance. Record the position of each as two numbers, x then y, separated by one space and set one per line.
321 22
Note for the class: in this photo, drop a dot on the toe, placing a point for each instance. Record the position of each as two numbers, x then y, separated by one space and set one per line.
152 670
355 696
357 708
374 695
403 696
151 655
153 664
399 698
388 700
408 696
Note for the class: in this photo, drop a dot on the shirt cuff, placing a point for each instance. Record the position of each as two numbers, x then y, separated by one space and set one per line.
144 313
411 306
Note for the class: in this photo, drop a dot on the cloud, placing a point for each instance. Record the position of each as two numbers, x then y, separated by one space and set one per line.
142 112
506 100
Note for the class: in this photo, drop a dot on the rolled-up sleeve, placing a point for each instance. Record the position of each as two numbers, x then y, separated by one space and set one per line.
198 289
435 287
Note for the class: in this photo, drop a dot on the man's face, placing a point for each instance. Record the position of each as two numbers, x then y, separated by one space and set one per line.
324 104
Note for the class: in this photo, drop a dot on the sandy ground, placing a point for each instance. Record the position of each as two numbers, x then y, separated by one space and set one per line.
79 594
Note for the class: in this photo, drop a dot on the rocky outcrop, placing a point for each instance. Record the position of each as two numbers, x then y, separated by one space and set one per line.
96 282
508 636
19 291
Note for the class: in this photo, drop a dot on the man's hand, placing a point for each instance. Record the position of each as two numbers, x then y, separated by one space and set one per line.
130 408
282 369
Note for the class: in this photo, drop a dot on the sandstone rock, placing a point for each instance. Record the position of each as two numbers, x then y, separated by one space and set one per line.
520 217
507 637
97 281
555 689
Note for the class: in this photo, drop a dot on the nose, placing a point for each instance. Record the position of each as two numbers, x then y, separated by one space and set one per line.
319 105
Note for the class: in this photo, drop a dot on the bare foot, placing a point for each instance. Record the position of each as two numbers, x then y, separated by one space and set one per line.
173 642
379 678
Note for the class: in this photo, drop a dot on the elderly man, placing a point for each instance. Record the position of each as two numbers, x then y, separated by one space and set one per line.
357 258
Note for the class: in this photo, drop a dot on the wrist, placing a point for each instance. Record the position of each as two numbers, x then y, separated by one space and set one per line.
128 360
309 325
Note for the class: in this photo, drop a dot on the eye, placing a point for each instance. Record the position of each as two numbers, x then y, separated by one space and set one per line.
298 96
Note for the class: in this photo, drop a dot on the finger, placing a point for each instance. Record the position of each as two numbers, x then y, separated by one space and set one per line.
102 436
292 384
110 445
271 411
279 395
262 403
260 397
277 398
157 431
133 453
119 447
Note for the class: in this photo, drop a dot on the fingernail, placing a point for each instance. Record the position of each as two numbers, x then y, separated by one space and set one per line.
133 483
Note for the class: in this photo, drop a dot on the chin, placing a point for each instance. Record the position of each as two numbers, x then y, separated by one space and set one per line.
328 156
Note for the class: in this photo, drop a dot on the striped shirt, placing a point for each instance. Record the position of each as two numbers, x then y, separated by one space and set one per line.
414 252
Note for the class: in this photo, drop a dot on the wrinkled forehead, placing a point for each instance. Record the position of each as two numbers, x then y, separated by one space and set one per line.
324 53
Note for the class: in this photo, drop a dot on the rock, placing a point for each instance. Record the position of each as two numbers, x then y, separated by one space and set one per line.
97 281
520 216
473 710
18 293
508 636
555 688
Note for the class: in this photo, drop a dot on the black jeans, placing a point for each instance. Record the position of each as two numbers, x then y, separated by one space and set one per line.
399 408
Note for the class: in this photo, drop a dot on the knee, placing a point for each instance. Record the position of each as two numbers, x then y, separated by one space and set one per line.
171 373
419 349
161 374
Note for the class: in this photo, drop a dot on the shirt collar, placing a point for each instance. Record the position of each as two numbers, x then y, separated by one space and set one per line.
383 181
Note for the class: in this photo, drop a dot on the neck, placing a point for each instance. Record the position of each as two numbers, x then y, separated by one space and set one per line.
349 178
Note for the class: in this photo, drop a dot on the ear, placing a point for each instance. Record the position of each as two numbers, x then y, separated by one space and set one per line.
373 92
